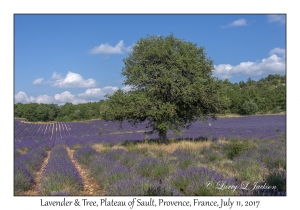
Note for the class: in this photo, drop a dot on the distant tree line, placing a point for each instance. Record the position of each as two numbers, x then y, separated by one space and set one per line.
52 112
267 95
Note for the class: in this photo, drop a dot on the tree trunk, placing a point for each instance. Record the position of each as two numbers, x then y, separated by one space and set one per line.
163 136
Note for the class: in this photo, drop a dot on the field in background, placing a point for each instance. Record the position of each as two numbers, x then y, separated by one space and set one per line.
230 156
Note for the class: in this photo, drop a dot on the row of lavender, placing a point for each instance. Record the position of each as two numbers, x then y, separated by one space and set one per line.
122 173
141 172
28 136
58 177
26 168
23 130
259 127
272 126
157 175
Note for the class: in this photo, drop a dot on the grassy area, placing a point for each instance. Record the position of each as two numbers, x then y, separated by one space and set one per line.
249 161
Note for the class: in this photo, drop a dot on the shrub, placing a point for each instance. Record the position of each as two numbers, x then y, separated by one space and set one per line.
84 155
235 148
201 181
130 159
152 168
23 178
185 157
277 178
248 169
248 108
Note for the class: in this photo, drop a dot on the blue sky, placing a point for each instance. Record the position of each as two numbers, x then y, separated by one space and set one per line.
78 58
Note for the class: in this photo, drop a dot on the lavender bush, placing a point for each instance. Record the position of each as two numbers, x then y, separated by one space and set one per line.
23 178
85 155
201 181
251 148
25 168
60 174
153 168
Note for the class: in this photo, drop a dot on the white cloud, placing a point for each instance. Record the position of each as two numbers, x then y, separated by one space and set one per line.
276 18
55 76
277 50
72 80
239 22
45 99
21 97
42 99
68 97
108 49
127 88
38 81
97 93
270 65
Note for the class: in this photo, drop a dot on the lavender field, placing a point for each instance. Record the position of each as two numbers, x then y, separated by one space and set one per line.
230 156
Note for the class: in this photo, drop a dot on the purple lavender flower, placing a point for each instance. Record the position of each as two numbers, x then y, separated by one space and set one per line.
60 174
201 181
85 155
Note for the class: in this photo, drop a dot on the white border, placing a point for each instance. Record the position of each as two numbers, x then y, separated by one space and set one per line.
9 8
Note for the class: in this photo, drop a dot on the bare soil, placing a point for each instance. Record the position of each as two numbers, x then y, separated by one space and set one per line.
91 188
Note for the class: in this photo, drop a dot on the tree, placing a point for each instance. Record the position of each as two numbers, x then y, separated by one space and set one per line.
249 108
172 86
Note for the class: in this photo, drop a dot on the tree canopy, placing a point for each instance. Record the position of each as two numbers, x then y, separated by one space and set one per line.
171 86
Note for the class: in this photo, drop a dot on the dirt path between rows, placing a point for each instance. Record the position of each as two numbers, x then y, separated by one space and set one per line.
91 188
35 189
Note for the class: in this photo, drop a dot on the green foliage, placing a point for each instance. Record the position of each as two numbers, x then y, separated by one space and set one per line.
185 163
51 112
76 146
47 148
158 191
277 178
269 94
172 86
22 181
235 148
248 170
153 170
277 109
249 108
275 162
214 156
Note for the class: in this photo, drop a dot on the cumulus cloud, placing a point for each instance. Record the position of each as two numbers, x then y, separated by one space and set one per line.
277 50
271 65
239 22
42 99
22 97
90 95
96 93
68 97
276 18
38 81
108 49
56 76
72 80
60 99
